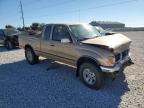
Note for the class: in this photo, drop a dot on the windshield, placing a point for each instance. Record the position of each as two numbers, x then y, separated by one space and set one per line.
84 31
100 29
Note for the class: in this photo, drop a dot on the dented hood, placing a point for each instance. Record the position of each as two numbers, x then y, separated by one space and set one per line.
116 42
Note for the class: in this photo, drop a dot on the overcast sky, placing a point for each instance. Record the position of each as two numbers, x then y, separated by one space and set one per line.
130 12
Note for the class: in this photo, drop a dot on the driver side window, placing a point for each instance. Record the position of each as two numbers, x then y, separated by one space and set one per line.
60 32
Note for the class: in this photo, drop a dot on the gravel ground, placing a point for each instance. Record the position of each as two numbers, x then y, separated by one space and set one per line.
37 86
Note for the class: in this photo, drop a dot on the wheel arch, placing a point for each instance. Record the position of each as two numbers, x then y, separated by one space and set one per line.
28 46
86 59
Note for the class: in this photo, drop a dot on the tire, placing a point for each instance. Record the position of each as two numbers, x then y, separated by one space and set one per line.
91 75
9 45
31 57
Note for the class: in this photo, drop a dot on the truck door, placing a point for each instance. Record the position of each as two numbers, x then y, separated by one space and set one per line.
62 47
45 42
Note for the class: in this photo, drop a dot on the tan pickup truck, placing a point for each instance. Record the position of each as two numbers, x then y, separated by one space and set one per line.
79 45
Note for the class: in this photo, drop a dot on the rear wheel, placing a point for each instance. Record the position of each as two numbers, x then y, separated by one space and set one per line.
91 75
9 45
31 57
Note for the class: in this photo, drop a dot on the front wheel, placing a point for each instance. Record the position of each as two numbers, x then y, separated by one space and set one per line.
31 57
91 75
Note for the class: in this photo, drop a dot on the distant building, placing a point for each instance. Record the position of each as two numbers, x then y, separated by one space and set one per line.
107 24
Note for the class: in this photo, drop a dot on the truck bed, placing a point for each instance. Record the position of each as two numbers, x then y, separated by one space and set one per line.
30 39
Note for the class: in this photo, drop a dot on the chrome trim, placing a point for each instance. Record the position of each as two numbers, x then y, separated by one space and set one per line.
116 67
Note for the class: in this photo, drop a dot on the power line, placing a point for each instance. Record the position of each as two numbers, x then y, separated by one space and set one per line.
112 4
57 14
75 10
30 2
91 8
54 5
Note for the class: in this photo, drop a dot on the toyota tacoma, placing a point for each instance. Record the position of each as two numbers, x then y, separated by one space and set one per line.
79 45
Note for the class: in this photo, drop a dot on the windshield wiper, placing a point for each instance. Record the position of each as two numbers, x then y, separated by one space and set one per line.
88 38
94 37
84 39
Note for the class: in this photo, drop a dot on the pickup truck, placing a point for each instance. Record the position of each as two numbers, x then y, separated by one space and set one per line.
9 37
79 45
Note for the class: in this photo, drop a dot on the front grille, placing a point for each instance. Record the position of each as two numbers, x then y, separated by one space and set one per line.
121 56
124 54
117 57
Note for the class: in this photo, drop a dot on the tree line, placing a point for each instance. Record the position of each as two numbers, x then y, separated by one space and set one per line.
33 26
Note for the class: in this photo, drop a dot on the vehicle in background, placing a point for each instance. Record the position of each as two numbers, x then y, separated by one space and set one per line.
79 45
9 37
104 32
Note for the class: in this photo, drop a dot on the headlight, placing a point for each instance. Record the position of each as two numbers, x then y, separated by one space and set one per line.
111 60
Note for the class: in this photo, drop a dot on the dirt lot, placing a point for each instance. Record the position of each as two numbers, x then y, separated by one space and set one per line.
37 86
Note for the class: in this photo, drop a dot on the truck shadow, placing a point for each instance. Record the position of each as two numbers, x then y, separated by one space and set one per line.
4 49
25 85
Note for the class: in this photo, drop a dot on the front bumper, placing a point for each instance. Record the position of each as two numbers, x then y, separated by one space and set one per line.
116 67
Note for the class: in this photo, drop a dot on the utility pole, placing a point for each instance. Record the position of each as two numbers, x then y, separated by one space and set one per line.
21 7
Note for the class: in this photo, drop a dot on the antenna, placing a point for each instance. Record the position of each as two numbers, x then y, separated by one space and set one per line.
21 7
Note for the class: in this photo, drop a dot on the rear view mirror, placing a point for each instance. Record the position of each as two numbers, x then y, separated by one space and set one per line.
65 40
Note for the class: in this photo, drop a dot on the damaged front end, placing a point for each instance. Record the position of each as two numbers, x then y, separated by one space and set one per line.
118 45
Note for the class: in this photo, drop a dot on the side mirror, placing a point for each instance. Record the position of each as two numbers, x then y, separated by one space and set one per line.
65 40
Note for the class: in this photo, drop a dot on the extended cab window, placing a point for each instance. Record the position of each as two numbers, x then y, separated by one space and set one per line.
47 32
60 32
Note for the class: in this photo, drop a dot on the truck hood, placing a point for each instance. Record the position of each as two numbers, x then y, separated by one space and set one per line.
115 42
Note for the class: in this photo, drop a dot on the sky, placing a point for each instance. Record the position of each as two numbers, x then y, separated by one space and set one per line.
130 12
